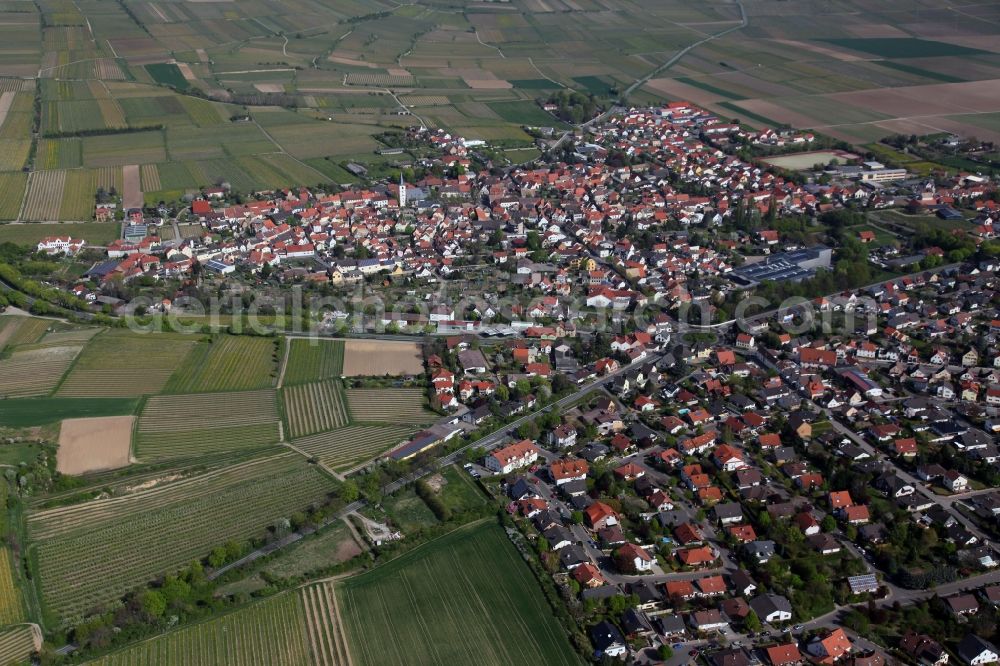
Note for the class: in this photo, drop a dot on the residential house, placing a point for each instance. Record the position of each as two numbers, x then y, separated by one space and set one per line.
831 647
505 460
599 515
786 654
772 608
975 651
608 640
633 559
923 649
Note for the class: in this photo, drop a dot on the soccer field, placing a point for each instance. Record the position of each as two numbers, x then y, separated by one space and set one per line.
464 598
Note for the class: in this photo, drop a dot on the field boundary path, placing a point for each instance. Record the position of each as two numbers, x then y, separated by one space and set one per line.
284 364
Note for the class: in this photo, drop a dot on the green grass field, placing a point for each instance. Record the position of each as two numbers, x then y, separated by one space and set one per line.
27 412
98 233
903 47
168 74
230 363
313 360
463 598
524 113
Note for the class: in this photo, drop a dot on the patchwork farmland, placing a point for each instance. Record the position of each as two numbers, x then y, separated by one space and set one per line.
348 447
96 551
119 363
455 600
391 405
312 408
181 426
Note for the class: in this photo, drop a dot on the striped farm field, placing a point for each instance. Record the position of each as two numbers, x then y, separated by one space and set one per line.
12 187
15 330
324 627
271 632
426 100
229 363
382 80
93 552
391 405
14 153
11 608
311 408
463 598
178 426
119 363
112 113
17 644
44 196
348 447
78 335
35 371
150 178
313 360
107 69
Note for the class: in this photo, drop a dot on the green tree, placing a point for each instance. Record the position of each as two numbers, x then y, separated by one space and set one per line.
666 652
153 603
752 622
349 491
217 557
829 523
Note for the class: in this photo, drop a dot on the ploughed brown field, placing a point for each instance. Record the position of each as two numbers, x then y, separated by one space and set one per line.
380 357
94 444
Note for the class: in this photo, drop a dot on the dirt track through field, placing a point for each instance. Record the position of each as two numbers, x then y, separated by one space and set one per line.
94 444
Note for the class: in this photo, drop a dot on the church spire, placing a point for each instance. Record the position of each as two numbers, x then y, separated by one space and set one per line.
402 191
